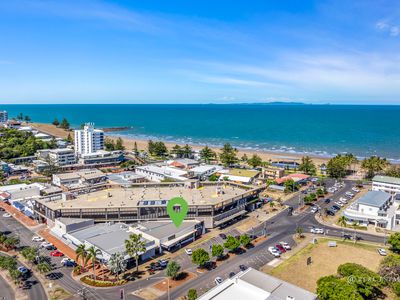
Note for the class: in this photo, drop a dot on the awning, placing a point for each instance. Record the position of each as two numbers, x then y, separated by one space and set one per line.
174 241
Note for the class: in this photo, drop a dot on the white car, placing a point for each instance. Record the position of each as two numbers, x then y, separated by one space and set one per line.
6 215
285 245
317 230
37 239
350 194
218 280
354 189
45 245
274 252
382 252
339 203
314 209
343 199
188 251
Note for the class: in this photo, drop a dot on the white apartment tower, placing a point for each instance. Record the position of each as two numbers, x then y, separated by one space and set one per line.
3 116
88 140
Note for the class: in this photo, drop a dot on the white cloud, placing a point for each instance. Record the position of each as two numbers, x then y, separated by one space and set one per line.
388 27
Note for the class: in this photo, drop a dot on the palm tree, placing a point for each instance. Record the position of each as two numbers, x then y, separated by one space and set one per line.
299 231
116 264
307 165
44 267
342 222
93 254
187 151
135 246
82 253
373 165
207 154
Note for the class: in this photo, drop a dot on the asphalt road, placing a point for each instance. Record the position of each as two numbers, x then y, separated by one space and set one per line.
279 228
6 291
32 286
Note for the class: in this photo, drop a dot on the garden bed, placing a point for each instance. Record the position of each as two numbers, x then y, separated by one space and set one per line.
89 280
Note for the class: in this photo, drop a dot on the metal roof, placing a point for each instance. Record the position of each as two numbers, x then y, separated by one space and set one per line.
374 198
386 179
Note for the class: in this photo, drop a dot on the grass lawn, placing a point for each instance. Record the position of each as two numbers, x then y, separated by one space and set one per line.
325 261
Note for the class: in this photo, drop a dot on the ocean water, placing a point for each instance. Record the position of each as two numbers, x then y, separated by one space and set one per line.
316 129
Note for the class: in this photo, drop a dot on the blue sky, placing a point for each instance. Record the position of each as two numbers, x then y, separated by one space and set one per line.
92 51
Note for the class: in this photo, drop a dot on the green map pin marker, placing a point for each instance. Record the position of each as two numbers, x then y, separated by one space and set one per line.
177 209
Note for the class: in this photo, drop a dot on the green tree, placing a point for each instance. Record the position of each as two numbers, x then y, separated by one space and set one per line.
109 144
20 116
290 185
27 119
93 254
29 253
116 264
394 242
187 151
245 240
11 242
213 177
244 158
177 151
200 257
307 166
56 122
64 124
135 246
135 149
337 166
81 253
299 231
334 288
232 243
373 165
254 161
217 250
207 154
342 221
173 269
192 294
44 267
367 282
393 171
119 144
69 138
228 155
15 275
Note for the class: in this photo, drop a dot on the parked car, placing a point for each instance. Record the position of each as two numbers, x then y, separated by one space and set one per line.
23 270
188 251
222 236
274 251
339 204
335 207
242 267
37 239
285 245
330 212
382 252
280 248
354 189
218 280
6 215
327 200
67 262
314 210
231 274
56 253
317 230
47 245
163 263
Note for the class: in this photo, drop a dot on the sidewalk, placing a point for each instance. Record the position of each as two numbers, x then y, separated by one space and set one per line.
19 216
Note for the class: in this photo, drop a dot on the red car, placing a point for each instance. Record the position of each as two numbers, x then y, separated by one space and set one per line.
56 253
280 248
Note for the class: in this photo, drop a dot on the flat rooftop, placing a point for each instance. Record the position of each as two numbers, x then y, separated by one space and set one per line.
149 195
162 229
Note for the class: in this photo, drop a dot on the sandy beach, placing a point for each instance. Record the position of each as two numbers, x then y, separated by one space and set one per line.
142 145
